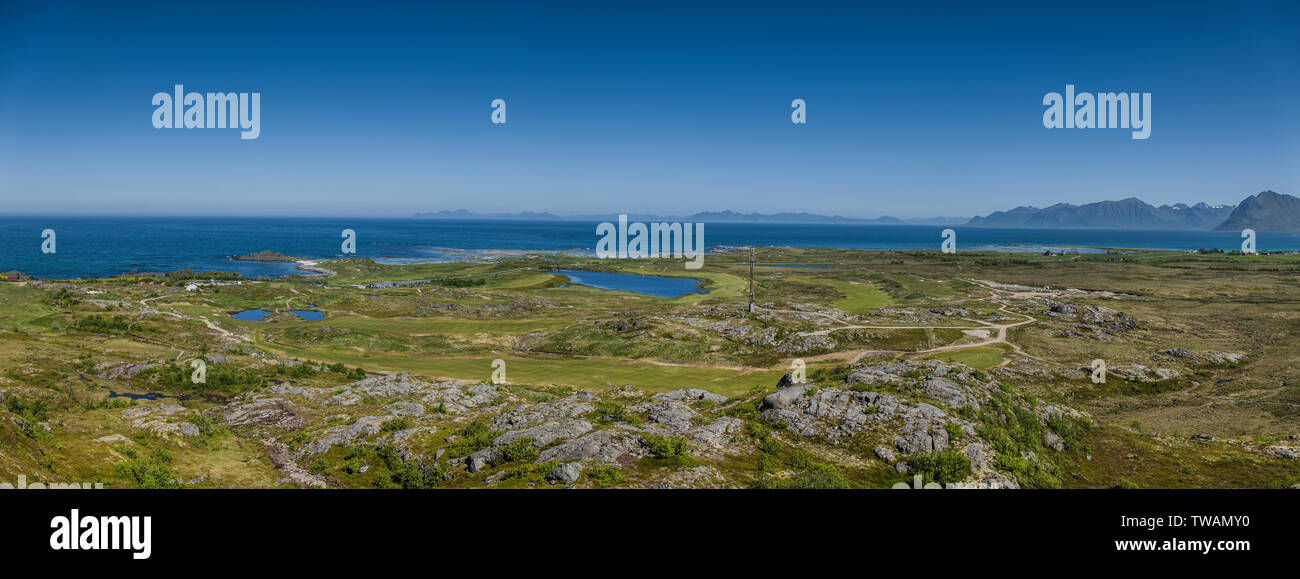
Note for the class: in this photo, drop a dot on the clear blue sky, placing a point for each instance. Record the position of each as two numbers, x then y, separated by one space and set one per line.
383 110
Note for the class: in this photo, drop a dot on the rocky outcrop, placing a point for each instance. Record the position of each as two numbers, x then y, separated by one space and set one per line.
542 435
283 461
1207 357
917 414
703 476
610 446
671 414
273 412
528 415
565 473
691 394
164 420
119 370
346 434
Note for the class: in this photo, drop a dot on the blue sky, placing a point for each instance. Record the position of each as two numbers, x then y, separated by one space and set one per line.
383 109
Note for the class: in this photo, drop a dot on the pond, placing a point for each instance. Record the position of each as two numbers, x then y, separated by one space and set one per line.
651 285
258 315
112 394
251 315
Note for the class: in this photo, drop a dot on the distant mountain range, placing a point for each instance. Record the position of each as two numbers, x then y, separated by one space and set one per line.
1131 213
705 217
1267 211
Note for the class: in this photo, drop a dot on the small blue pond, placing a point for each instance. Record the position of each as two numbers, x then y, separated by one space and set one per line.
259 315
652 285
251 315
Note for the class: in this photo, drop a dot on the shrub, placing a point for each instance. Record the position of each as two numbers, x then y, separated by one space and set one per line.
954 430
300 371
820 476
610 412
605 475
662 447
941 467
473 437
396 424
521 449
30 415
352 465
149 472
103 324
1012 463
219 378
527 470
1070 430
410 473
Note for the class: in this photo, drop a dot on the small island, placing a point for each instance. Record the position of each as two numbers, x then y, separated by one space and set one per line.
264 255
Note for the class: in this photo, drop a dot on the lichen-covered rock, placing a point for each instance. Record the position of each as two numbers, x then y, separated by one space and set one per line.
542 435
691 394
528 415
454 398
565 473
163 420
949 392
610 445
409 409
346 434
674 415
273 412
719 435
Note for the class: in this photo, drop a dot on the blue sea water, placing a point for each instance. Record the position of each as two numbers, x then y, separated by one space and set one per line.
654 285
106 246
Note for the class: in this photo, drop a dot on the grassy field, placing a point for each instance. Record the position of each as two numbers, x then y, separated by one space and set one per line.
976 357
859 297
62 344
407 327
577 372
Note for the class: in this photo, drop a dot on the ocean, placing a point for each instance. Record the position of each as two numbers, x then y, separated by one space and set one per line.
107 246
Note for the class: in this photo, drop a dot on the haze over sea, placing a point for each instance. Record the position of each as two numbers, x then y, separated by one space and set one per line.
107 246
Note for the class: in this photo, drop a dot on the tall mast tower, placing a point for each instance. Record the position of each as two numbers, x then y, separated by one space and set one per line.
751 280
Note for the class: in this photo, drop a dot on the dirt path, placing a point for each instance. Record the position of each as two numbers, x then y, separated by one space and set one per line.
999 338
224 333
